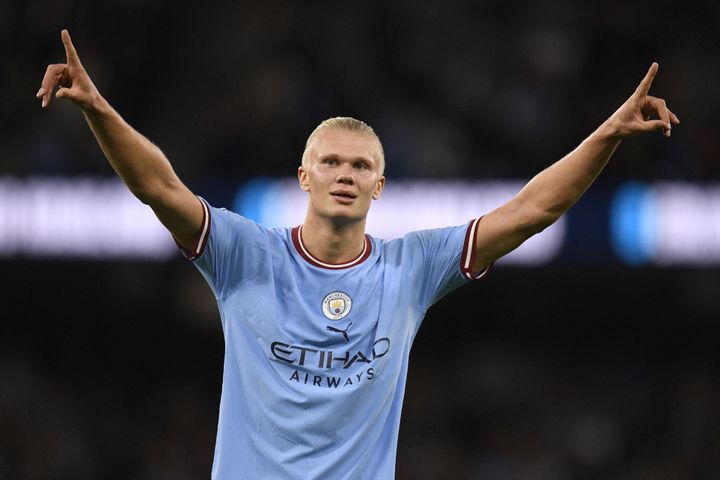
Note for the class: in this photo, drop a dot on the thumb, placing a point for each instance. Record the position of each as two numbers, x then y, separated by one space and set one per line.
66 93
654 125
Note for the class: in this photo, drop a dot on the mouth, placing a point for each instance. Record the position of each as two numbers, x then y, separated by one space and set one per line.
343 196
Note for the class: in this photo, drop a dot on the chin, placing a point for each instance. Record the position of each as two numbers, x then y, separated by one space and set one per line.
345 218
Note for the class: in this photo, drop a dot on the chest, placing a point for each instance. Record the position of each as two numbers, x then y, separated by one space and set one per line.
346 310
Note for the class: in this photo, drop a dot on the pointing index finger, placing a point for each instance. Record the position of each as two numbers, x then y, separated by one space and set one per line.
70 52
644 86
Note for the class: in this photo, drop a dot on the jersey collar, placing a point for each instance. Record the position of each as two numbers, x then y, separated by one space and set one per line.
305 253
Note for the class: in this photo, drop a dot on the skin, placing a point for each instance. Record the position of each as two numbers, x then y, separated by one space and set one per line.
346 162
340 162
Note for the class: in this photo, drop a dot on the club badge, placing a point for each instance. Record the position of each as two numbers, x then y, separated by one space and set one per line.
336 305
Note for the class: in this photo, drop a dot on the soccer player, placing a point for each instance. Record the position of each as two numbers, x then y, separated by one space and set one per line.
319 319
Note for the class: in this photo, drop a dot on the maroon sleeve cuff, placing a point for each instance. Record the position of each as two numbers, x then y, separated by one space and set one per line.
202 236
468 253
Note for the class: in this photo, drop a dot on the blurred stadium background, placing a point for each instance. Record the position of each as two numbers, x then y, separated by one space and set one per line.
592 356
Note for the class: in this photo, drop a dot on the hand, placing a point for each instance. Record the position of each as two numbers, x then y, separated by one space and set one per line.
642 112
74 82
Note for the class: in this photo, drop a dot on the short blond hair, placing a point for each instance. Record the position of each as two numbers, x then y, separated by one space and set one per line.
347 124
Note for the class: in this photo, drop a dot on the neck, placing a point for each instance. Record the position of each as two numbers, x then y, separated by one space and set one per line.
333 242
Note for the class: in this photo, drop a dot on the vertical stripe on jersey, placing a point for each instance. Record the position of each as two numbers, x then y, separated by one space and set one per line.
202 237
468 253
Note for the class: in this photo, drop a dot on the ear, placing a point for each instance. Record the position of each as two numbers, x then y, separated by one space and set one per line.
378 188
303 179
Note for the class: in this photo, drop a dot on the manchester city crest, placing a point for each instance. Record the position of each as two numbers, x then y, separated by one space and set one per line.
336 305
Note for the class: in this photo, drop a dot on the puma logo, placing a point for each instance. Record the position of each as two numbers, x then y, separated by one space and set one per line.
343 332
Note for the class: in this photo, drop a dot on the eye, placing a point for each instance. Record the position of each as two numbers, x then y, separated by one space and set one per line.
330 161
361 166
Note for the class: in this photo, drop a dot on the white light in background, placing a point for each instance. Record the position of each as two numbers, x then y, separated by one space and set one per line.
81 217
688 224
677 223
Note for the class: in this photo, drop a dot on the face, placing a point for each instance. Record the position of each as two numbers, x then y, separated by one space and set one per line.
342 175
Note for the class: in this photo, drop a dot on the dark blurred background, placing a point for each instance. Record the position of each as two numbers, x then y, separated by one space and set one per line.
577 369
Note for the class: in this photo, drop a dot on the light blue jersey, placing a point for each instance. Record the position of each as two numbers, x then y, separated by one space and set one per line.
316 354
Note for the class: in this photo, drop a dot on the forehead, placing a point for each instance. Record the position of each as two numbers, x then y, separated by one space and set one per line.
344 144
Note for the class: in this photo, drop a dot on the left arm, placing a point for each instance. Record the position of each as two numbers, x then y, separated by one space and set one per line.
554 190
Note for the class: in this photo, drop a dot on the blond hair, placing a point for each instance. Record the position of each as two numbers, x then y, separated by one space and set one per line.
347 124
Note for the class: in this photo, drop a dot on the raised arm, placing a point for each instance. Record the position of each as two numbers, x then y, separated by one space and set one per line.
137 161
554 190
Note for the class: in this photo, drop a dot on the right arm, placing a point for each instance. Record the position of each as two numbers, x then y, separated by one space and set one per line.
137 161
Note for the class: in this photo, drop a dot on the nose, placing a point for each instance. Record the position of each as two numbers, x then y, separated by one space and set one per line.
345 175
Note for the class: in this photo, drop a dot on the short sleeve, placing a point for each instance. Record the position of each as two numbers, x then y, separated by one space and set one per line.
228 248
448 254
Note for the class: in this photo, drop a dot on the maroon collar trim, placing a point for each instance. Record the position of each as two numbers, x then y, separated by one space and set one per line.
305 253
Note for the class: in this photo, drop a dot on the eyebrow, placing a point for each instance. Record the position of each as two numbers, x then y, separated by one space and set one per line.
335 156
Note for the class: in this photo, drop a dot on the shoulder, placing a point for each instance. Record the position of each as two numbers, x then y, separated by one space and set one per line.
427 236
228 226
415 244
444 245
222 217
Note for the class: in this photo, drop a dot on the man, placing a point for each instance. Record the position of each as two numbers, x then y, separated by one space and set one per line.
319 319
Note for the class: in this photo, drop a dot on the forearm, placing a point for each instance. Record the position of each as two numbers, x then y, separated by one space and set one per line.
554 190
138 162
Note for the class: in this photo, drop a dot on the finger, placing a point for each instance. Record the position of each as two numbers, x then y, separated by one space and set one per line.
52 75
70 52
644 86
659 106
652 126
67 93
50 80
